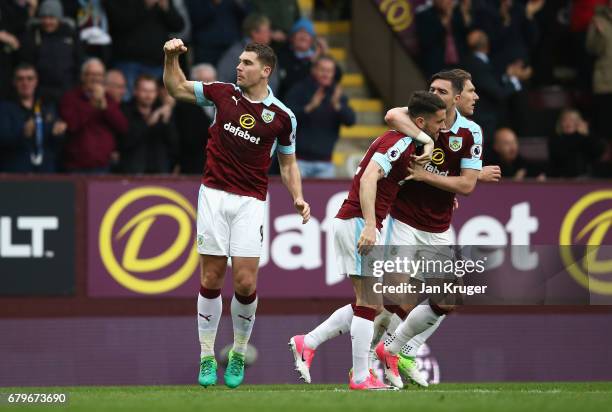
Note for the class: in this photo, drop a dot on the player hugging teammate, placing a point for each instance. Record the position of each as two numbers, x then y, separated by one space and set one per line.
420 216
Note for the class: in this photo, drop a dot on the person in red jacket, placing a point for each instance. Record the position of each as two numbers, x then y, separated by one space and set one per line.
93 119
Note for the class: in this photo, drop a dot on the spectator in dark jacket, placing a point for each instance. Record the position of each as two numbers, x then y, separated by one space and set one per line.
320 108
13 17
216 25
140 28
296 57
493 88
192 122
54 48
31 133
511 27
571 150
150 144
441 30
94 119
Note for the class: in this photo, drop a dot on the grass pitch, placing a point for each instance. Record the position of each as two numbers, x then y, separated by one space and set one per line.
496 397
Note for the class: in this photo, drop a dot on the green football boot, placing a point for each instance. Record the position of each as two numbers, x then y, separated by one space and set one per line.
208 371
234 373
409 370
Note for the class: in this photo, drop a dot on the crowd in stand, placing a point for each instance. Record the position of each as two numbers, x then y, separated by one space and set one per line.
512 47
80 88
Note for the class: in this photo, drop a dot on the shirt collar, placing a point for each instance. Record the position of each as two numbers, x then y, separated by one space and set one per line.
482 56
267 101
457 124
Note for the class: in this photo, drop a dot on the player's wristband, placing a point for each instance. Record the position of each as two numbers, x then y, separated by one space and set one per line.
424 138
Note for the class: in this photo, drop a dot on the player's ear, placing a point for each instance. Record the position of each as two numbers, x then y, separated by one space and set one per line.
267 71
420 122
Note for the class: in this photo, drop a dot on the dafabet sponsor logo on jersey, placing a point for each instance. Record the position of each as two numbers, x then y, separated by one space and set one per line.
146 253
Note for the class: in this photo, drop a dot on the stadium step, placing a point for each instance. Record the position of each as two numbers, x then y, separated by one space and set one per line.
306 7
354 140
362 131
326 28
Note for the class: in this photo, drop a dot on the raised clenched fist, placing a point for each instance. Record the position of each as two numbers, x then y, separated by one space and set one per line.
174 47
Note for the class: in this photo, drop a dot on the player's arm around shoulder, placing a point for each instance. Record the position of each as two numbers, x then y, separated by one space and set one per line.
398 119
174 79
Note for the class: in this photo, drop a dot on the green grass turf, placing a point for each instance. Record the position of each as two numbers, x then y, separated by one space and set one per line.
490 397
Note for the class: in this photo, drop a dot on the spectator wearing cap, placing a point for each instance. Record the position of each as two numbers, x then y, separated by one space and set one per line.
296 57
141 27
256 29
53 47
94 120
320 107
215 27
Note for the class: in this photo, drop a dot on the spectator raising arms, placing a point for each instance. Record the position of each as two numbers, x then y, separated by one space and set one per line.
320 108
94 119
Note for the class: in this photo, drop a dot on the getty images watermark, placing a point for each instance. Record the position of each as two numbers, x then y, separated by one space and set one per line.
443 273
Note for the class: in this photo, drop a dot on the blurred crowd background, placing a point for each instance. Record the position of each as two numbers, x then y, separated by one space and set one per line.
81 91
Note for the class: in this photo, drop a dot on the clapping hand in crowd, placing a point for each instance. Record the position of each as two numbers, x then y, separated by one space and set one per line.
98 96
9 39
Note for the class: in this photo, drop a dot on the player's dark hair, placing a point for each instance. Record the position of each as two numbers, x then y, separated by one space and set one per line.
24 66
264 53
456 79
253 22
144 78
423 103
461 74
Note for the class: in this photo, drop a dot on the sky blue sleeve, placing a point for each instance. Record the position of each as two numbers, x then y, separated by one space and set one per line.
383 162
198 90
290 149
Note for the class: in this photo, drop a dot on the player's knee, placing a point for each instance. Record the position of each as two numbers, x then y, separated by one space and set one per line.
244 285
212 279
